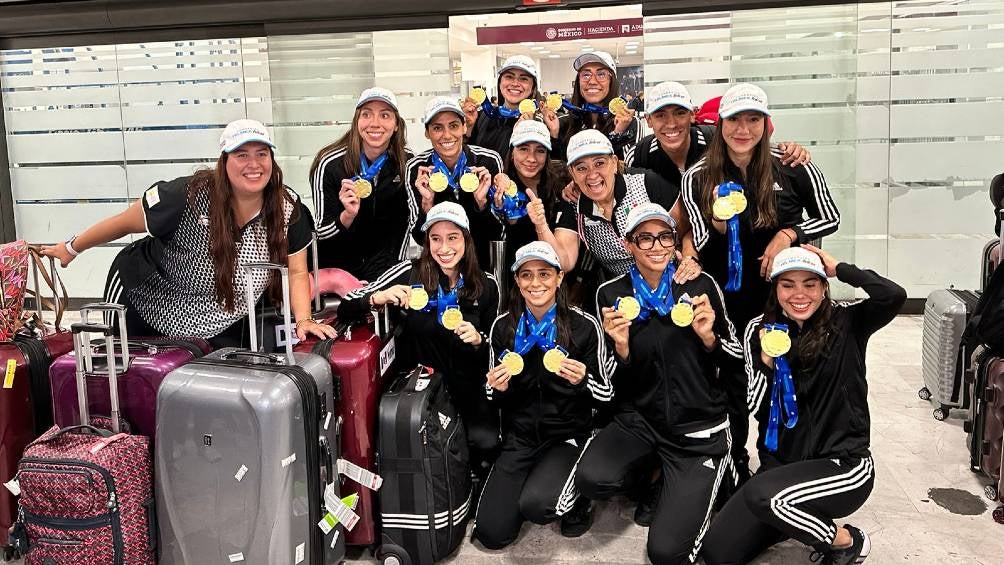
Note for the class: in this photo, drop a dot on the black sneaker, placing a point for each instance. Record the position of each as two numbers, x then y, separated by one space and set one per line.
644 513
854 554
578 520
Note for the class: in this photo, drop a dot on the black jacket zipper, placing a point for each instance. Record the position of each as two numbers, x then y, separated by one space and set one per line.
113 506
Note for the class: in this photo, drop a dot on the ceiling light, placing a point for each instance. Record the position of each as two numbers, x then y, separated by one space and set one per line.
553 56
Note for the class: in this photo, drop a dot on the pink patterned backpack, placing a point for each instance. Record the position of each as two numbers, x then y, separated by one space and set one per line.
13 278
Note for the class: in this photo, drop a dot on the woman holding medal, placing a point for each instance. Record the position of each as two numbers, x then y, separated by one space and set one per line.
449 302
548 367
530 205
358 186
596 105
669 338
805 360
452 171
745 207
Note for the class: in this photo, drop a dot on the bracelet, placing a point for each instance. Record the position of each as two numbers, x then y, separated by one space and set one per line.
791 239
69 247
311 319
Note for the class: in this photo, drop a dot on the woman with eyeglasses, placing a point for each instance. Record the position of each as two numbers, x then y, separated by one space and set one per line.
668 338
594 87
548 367
448 303
745 207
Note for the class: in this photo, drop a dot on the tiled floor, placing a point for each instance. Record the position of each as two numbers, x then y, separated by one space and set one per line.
913 453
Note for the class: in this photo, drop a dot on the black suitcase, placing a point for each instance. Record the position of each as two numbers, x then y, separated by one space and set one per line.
425 500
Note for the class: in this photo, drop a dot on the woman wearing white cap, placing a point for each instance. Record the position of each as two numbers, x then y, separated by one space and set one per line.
184 279
491 127
548 366
805 360
677 142
744 208
607 194
532 211
449 303
594 87
359 194
669 338
453 171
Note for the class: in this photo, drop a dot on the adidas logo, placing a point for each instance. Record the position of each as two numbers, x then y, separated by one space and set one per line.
710 464
444 420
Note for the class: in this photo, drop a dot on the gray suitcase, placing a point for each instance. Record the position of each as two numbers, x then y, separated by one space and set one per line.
945 359
245 448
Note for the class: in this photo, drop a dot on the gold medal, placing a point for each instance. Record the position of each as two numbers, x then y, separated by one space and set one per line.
514 362
628 306
469 182
738 201
479 95
554 101
617 105
452 318
723 208
418 298
363 188
682 314
512 190
553 358
527 106
438 182
775 343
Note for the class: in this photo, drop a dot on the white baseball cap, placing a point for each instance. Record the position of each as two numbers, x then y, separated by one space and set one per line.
523 63
741 98
601 57
527 131
536 250
448 211
442 104
588 142
666 94
239 132
377 93
797 259
648 211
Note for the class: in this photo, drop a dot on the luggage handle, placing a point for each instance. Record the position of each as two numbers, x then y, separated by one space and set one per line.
272 357
381 330
286 313
329 477
84 364
53 281
108 307
82 427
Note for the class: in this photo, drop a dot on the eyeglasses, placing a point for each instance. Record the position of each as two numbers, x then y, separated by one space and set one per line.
601 75
646 241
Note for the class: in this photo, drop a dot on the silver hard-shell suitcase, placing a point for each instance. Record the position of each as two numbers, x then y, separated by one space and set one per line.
244 451
945 359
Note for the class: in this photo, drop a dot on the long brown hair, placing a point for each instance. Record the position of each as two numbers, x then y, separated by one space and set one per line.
534 94
563 315
758 184
553 178
352 142
224 233
427 270
815 340
577 122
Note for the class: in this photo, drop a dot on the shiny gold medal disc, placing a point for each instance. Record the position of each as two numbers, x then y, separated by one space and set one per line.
775 343
479 95
617 105
363 188
512 190
452 318
514 362
469 182
554 101
628 306
438 181
553 358
527 106
682 314
418 298
738 201
723 208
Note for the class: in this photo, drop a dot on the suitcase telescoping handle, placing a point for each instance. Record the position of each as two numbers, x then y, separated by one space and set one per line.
113 309
82 355
286 315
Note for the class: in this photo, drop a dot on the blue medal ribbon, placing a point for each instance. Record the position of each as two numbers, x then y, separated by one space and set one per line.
513 207
735 248
782 396
661 299
496 112
587 108
452 176
370 171
444 299
530 332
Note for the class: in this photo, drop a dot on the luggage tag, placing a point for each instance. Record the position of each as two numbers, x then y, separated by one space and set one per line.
236 557
367 478
284 333
241 472
8 378
300 550
339 510
13 486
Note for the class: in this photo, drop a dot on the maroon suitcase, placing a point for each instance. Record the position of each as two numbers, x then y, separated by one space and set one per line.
142 366
87 493
986 423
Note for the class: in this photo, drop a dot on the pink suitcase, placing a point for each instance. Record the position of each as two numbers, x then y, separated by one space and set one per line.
141 367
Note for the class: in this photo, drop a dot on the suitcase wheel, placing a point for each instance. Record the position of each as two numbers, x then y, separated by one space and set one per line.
990 491
392 555
924 394
999 514
940 414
